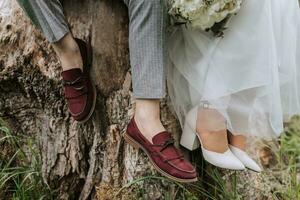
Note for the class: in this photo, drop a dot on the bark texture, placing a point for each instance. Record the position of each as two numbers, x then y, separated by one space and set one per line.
76 158
81 160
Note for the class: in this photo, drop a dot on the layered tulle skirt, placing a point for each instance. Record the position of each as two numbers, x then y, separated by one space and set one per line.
251 76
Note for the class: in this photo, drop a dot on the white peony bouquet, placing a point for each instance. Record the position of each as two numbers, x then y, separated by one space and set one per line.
203 14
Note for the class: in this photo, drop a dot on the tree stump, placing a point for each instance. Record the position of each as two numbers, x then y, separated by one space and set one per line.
76 158
90 160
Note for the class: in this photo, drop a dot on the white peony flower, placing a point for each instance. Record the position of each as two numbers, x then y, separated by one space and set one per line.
203 14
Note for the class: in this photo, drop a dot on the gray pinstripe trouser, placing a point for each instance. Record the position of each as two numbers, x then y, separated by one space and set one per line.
146 39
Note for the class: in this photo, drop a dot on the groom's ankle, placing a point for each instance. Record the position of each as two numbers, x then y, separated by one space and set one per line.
149 126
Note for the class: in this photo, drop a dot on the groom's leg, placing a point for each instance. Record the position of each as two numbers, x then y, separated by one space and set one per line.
147 47
49 17
147 55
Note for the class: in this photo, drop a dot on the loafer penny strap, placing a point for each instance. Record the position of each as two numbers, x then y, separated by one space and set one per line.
175 158
166 144
77 86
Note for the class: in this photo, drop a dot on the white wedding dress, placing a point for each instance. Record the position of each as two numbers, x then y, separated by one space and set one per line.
251 76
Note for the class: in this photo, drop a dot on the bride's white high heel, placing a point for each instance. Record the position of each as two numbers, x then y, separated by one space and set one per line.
190 140
245 159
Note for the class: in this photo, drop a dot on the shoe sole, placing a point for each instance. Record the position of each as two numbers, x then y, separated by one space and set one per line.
253 170
92 109
135 144
89 65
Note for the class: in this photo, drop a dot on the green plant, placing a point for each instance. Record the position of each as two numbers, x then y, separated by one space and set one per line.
288 157
215 189
20 171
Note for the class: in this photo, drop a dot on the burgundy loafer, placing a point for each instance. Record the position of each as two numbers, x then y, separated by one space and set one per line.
164 156
79 91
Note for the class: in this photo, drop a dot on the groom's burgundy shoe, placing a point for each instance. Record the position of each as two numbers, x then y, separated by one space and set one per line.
79 91
168 160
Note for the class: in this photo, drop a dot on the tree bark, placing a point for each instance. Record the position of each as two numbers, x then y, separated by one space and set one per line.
76 158
89 159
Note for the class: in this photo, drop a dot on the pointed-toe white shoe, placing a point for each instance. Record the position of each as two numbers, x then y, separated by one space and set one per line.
190 140
245 159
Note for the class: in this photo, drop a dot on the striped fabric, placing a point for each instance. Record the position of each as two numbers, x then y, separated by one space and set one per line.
147 47
48 16
147 32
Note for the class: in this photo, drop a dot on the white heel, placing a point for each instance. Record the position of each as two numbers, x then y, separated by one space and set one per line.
190 140
245 159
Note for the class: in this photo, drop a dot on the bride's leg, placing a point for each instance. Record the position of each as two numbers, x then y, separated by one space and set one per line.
237 140
211 128
211 125
215 141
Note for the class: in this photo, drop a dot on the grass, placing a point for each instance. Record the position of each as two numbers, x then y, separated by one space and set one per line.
21 178
200 190
286 171
279 180
20 171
